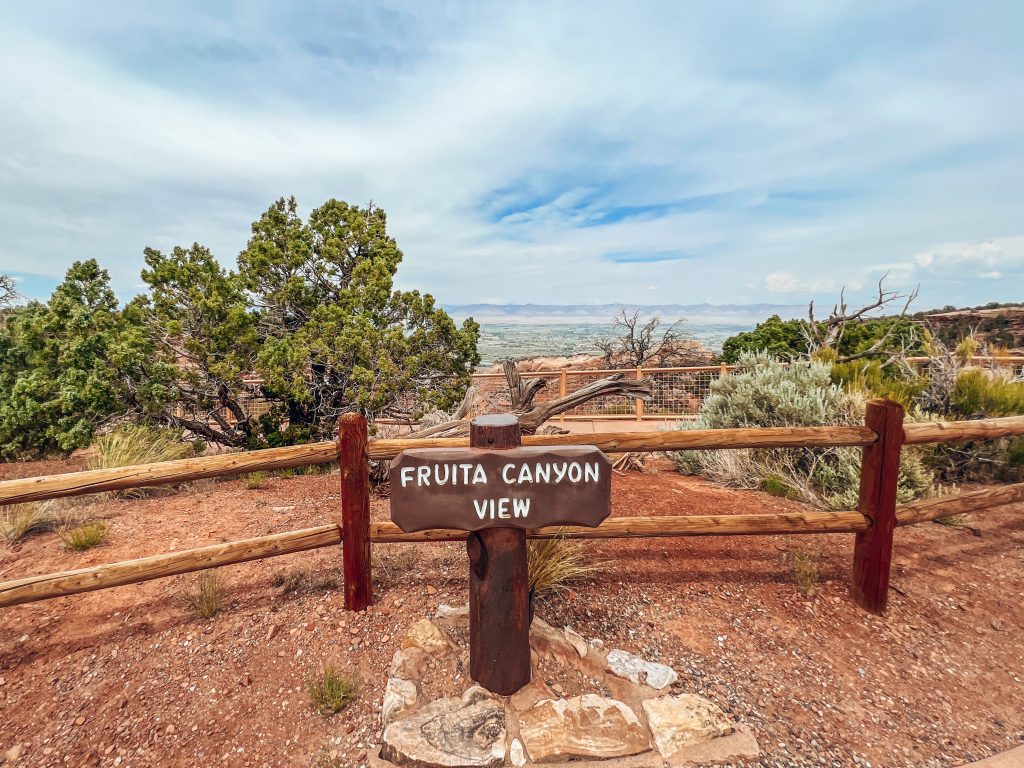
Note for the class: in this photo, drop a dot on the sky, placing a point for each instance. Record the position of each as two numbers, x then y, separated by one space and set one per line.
554 153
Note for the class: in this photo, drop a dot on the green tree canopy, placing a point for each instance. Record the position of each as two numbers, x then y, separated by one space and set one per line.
311 311
66 366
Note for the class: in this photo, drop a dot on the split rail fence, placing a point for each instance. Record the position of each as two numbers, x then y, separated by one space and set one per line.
881 438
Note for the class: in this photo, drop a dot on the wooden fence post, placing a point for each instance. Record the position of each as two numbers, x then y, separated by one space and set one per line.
499 596
639 402
562 381
354 464
879 476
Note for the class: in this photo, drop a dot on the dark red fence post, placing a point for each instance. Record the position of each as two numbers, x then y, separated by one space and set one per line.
355 510
499 590
879 477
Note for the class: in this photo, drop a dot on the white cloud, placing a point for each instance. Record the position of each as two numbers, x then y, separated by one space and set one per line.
614 130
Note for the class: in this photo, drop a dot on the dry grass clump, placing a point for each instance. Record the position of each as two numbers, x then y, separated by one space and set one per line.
554 564
803 566
254 481
331 691
391 563
207 596
962 521
303 581
84 536
134 444
18 521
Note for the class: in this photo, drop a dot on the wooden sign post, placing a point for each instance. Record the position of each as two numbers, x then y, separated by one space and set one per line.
498 490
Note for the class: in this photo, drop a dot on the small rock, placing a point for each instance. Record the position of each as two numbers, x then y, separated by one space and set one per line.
683 720
516 753
354 631
80 720
426 635
409 663
399 695
997 624
272 631
448 732
640 671
12 754
360 755
577 641
282 509
431 589
583 726
445 611
169 730
246 680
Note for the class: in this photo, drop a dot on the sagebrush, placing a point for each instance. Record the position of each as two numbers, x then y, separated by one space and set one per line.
763 392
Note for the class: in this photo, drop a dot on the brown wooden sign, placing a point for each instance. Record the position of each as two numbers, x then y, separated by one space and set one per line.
475 488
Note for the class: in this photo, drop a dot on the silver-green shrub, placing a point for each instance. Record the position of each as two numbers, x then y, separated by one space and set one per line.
764 392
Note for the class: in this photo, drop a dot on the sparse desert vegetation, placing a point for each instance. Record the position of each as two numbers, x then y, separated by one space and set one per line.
332 690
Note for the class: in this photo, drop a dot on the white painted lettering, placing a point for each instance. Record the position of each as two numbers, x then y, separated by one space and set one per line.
504 473
524 474
575 472
542 470
438 478
590 472
423 475
560 471
503 509
521 507
407 473
481 507
465 472
479 476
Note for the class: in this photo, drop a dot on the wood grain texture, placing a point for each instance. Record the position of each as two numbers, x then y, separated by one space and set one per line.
33 588
964 503
355 511
674 440
657 527
949 431
879 477
499 592
164 472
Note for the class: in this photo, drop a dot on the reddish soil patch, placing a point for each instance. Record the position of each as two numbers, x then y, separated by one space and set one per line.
129 677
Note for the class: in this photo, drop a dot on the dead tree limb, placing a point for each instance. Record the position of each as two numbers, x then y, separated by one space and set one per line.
521 393
828 333
533 418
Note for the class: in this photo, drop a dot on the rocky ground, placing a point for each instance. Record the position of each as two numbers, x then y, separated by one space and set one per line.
130 677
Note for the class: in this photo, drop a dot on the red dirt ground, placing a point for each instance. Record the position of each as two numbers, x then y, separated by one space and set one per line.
129 677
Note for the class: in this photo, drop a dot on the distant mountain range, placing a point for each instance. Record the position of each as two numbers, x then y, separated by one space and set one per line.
525 314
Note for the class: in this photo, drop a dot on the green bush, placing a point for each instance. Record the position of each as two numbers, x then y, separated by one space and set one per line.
873 380
765 393
982 394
